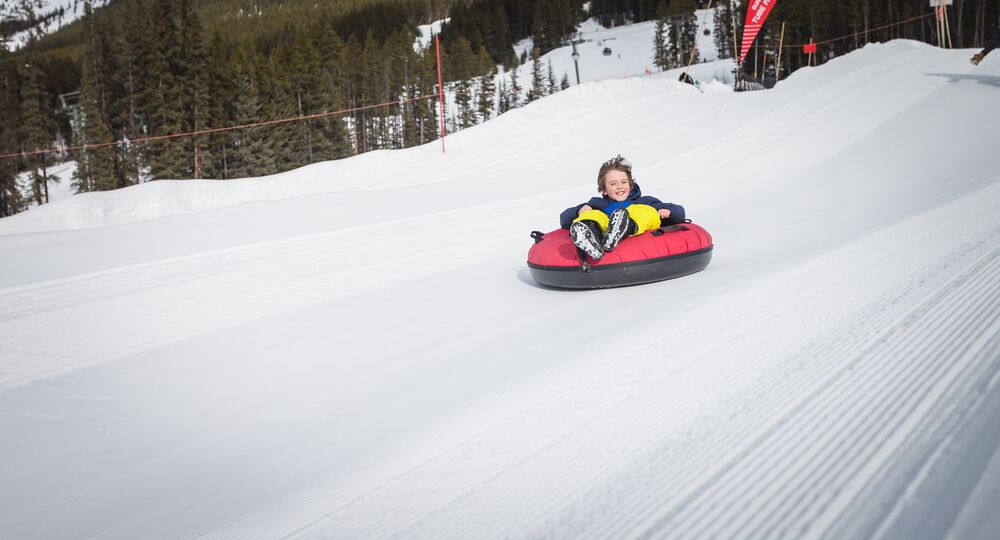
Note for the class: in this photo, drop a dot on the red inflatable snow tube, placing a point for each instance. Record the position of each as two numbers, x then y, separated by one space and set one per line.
668 252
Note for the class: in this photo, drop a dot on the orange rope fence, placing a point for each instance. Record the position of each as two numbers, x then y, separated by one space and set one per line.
897 23
215 130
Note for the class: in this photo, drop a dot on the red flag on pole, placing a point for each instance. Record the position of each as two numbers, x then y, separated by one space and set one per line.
809 48
757 12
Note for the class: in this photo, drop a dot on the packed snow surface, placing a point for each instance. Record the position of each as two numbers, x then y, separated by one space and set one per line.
356 349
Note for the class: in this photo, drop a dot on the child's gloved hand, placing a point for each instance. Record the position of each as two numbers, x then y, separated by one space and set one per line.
584 208
977 59
664 213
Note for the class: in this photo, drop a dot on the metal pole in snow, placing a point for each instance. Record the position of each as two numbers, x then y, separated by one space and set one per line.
777 66
576 61
736 56
947 25
437 46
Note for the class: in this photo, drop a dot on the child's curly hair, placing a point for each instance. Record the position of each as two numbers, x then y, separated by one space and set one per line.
617 163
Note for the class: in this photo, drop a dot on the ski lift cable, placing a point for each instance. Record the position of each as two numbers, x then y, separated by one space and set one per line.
701 25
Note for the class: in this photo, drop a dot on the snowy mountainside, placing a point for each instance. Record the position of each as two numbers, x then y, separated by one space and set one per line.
631 54
356 349
50 14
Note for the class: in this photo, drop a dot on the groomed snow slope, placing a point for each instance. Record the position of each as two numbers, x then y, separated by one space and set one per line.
356 350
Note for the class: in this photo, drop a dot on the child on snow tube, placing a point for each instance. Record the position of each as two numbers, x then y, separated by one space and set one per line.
598 225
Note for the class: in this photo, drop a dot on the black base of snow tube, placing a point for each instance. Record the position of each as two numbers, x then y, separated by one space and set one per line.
622 274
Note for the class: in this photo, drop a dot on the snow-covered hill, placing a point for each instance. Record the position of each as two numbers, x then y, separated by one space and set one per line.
631 53
51 15
356 350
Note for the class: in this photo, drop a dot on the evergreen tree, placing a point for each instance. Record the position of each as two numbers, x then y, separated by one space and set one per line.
466 113
564 83
399 84
95 169
515 91
503 93
462 68
126 110
724 28
169 158
551 84
295 84
283 142
251 159
660 45
351 61
675 48
10 196
307 91
537 89
36 127
195 77
498 37
386 90
367 92
618 12
688 30
496 24
95 166
334 128
552 22
541 31
664 55
410 110
487 86
216 161
426 111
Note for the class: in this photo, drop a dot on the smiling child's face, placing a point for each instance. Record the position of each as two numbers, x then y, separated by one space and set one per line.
616 185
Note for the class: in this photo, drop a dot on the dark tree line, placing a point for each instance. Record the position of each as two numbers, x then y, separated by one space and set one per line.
496 24
675 35
619 12
151 70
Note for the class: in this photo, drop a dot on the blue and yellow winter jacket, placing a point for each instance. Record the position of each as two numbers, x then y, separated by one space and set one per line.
607 205
993 43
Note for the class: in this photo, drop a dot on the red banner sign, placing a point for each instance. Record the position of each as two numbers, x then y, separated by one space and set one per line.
809 48
757 12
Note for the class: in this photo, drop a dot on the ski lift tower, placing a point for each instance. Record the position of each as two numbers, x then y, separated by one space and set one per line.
576 59
70 106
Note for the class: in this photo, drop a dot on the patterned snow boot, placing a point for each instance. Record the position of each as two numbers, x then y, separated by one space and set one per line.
620 225
586 235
